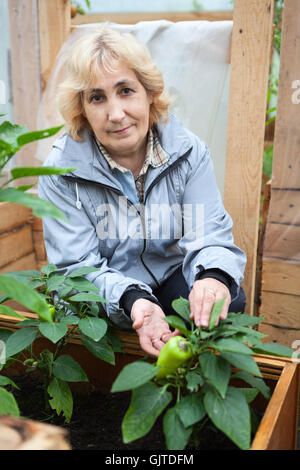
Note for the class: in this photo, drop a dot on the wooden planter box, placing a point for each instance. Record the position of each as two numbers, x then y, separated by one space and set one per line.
278 427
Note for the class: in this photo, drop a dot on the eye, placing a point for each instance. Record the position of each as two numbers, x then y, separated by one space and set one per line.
126 91
96 98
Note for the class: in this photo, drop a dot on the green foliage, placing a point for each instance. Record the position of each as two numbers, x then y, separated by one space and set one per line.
77 310
79 8
12 138
203 391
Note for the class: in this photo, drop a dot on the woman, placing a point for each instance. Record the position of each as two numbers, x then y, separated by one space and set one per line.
142 203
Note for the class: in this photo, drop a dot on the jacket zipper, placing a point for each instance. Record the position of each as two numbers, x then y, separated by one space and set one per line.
106 186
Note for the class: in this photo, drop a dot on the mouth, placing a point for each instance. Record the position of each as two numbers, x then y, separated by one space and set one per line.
122 131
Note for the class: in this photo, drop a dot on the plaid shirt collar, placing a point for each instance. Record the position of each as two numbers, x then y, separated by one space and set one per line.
155 155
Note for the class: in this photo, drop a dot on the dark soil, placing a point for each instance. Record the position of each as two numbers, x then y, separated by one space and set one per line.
97 418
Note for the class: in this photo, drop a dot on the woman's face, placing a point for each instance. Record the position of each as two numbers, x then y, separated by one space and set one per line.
117 107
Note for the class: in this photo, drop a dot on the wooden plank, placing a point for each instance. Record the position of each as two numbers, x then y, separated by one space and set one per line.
250 55
284 336
54 27
25 71
286 160
280 276
37 224
14 245
285 207
282 321
133 18
39 245
13 216
282 241
281 310
281 414
22 264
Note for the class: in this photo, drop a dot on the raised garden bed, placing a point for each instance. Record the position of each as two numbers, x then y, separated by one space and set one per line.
98 414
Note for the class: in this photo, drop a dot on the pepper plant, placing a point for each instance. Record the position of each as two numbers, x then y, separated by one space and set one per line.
66 304
190 384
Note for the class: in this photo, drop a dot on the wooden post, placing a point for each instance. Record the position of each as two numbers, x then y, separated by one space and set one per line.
281 256
25 64
54 27
250 57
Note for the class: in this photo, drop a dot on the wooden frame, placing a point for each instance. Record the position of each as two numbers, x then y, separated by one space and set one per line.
278 427
250 56
280 295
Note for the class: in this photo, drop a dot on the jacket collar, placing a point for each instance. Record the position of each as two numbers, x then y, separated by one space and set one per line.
91 165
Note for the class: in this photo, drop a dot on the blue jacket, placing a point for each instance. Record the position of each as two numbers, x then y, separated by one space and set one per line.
182 220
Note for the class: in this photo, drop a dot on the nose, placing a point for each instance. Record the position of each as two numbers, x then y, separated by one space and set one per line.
115 110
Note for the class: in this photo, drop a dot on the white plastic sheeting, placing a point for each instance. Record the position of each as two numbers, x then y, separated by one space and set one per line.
194 58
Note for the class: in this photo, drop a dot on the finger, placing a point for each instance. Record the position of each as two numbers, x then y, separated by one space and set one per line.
202 316
196 301
175 333
225 308
139 319
147 345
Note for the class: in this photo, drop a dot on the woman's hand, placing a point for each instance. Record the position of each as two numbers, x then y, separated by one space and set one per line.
203 295
153 330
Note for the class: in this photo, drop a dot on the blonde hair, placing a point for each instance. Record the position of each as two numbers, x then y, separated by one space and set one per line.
103 48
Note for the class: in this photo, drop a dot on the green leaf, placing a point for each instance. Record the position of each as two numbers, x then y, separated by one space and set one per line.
6 381
215 313
147 403
94 328
62 400
25 171
176 322
114 339
8 404
231 346
242 319
70 320
49 269
82 271
176 435
40 207
53 331
216 370
80 283
243 362
230 414
100 349
273 349
86 297
182 307
25 295
54 282
27 137
134 375
255 382
250 393
4 310
10 132
66 368
194 379
191 409
25 275
20 340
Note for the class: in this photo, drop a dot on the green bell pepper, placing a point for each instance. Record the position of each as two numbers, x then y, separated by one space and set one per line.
174 353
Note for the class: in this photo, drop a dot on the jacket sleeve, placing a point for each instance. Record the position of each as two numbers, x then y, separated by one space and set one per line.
207 241
73 244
